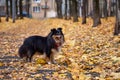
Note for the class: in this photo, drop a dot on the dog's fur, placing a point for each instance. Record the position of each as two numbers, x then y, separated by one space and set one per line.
44 45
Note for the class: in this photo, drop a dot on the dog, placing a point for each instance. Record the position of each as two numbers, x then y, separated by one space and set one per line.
48 45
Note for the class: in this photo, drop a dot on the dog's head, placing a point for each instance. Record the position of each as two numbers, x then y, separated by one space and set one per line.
58 36
61 33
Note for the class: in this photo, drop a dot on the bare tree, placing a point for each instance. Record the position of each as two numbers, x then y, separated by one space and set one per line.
117 24
70 9
13 11
66 9
59 8
105 8
16 5
90 8
84 6
45 10
21 9
28 7
109 7
7 12
96 13
74 11
0 18
10 8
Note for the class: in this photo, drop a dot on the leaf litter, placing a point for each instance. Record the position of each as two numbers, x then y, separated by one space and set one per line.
88 53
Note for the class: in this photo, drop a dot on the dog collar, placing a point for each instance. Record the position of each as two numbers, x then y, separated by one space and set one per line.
57 45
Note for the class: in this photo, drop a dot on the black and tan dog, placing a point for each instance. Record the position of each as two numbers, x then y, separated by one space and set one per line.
48 45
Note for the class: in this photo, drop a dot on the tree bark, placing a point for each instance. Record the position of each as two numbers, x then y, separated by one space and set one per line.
117 24
0 18
105 9
96 13
74 10
11 8
109 7
90 8
7 12
21 9
70 9
16 8
87 8
45 11
13 11
59 8
27 7
84 11
65 9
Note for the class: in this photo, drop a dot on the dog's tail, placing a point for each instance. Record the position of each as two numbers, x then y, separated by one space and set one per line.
22 52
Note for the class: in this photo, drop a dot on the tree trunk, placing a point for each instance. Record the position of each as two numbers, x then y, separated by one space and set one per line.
11 8
27 7
105 9
74 10
65 9
21 9
96 14
86 7
59 8
45 11
7 12
70 9
114 7
109 7
16 8
0 18
117 24
13 11
90 8
84 11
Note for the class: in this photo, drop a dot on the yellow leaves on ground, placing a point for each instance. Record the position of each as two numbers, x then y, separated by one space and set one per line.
59 75
1 64
40 61
87 54
116 75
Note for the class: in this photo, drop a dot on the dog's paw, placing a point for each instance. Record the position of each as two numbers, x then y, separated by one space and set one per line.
52 62
49 62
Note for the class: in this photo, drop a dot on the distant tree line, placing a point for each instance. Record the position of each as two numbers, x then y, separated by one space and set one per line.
96 9
14 9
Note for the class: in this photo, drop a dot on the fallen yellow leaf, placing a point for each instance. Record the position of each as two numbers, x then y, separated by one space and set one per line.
40 61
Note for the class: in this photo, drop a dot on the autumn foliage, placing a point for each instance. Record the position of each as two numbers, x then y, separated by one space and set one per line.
88 53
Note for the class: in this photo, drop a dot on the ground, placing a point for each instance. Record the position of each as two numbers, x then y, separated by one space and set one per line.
87 54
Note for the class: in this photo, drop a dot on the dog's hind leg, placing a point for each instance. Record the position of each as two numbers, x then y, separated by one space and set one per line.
30 54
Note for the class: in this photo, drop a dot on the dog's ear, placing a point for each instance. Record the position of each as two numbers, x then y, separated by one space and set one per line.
59 29
52 30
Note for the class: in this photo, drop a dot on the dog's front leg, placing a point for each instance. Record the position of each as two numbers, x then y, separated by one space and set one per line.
48 56
48 60
52 56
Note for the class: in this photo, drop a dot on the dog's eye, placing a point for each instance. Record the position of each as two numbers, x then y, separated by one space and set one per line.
57 38
60 37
